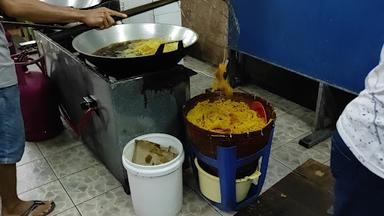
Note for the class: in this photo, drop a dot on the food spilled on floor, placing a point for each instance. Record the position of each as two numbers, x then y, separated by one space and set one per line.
135 48
225 116
151 154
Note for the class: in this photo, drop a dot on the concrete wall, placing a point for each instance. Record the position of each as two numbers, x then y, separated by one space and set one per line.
209 18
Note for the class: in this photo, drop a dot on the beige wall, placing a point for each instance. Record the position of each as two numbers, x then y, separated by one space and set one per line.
209 19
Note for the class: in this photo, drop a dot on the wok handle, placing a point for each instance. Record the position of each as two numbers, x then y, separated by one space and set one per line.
147 7
180 47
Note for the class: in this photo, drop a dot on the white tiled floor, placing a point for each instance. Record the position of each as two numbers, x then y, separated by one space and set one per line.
64 170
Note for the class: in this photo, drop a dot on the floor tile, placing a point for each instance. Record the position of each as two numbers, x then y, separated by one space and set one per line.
289 127
279 112
199 83
199 66
72 160
275 172
328 163
33 175
51 191
195 205
70 212
293 155
188 178
89 183
115 202
31 153
224 213
271 98
324 147
305 114
256 90
204 77
195 91
284 104
58 144
277 101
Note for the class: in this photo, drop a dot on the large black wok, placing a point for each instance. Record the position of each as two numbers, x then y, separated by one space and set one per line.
89 42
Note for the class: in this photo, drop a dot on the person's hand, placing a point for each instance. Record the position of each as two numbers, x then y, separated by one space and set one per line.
100 17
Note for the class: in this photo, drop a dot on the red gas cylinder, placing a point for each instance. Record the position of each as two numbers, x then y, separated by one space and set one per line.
39 102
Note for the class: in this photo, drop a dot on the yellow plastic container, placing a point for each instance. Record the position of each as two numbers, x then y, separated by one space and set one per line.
210 184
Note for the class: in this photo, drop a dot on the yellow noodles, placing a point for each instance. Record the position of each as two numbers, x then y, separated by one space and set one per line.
220 83
225 116
147 47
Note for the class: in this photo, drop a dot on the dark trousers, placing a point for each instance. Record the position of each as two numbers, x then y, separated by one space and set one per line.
358 191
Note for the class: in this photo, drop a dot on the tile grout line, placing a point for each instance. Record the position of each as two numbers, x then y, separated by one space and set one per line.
42 184
69 196
78 210
34 188
284 165
77 145
98 163
296 138
198 193
99 195
281 145
271 98
93 166
65 190
74 205
29 162
300 163
59 178
42 156
60 184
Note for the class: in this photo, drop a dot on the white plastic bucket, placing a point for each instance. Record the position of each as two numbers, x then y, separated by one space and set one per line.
155 190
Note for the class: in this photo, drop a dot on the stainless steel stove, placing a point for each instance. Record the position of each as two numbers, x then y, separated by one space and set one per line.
108 112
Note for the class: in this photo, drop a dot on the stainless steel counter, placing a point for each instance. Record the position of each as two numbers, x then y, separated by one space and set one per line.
126 108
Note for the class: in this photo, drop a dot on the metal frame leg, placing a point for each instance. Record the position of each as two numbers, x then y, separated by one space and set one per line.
227 166
236 70
324 124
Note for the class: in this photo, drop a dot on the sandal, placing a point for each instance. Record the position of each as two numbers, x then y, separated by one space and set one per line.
36 204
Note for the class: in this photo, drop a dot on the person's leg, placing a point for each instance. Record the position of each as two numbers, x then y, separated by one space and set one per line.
9 198
344 171
357 190
11 204
8 185
11 150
